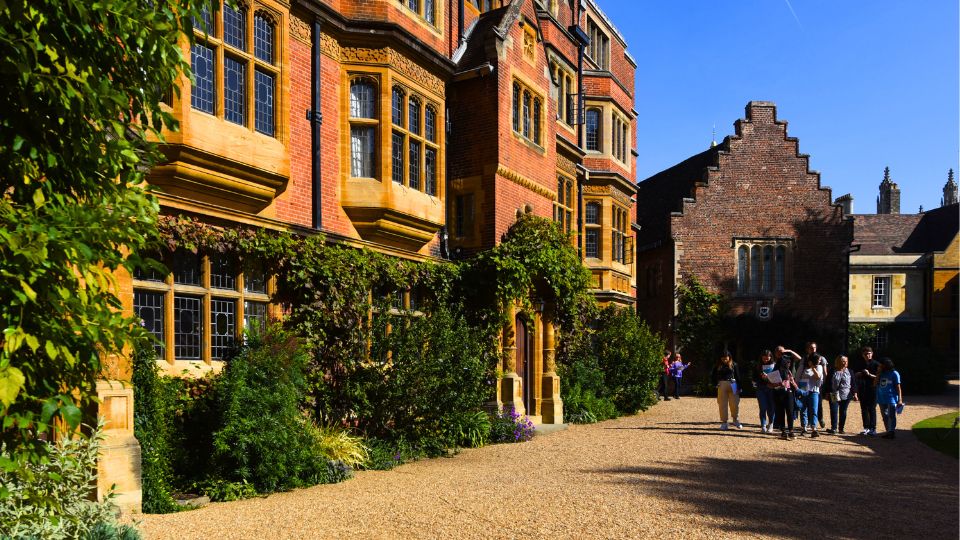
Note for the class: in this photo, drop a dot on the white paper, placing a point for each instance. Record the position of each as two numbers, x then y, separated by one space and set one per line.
774 377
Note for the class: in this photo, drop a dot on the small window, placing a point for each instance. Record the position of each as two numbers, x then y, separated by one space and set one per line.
234 26
148 306
761 267
362 99
527 113
430 124
881 291
516 107
234 90
202 93
363 113
263 38
397 106
593 130
592 222
398 159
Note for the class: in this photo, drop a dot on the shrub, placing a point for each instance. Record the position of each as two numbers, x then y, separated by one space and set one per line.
629 355
384 455
509 426
339 445
153 426
264 438
224 490
52 499
471 429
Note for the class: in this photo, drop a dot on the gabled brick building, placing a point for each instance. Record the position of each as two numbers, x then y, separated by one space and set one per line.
417 128
750 221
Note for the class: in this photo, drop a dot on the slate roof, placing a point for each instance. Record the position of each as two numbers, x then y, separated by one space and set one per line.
663 193
498 20
891 234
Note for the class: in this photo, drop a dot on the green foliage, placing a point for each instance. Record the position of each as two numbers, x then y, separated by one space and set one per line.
263 437
699 321
337 444
113 531
81 105
153 426
629 355
52 499
431 370
470 429
387 454
220 490
860 335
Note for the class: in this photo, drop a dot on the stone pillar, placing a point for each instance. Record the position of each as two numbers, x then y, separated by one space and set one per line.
119 462
511 385
551 406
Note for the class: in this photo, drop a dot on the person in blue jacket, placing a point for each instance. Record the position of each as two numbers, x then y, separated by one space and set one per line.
889 396
676 373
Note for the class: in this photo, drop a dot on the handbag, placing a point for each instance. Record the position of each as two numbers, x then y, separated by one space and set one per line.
834 397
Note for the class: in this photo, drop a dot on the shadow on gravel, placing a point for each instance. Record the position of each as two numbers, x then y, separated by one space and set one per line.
898 491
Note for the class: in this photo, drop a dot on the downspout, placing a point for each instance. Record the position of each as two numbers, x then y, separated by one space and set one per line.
316 120
460 23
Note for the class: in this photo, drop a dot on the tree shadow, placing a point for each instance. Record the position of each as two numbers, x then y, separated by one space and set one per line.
895 489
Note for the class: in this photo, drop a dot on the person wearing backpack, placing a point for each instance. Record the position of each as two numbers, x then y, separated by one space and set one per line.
889 396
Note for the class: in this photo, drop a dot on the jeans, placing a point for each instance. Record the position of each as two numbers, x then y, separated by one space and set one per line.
765 401
676 387
868 409
838 409
811 402
889 413
664 385
783 409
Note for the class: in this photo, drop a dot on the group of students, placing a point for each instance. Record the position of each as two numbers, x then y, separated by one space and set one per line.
790 386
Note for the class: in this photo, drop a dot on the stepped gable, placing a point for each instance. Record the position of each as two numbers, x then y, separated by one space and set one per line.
666 191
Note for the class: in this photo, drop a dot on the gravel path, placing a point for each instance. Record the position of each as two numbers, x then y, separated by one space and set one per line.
668 472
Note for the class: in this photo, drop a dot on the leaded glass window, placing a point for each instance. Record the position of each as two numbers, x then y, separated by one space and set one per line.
223 322
148 307
398 160
264 89
234 26
188 324
202 93
414 164
263 38
234 90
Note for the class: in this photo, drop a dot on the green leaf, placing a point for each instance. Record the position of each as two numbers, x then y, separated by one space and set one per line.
71 414
51 350
11 382
38 198
31 294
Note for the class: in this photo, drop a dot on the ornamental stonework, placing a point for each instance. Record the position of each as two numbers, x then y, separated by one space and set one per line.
385 56
299 29
525 182
566 165
413 70
359 55
596 190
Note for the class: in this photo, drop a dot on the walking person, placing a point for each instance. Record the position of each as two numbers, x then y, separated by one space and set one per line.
889 396
864 376
840 394
726 377
811 348
765 390
810 380
676 373
664 388
790 360
784 388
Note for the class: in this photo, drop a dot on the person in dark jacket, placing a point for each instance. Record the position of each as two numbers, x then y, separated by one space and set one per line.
764 391
726 377
784 388
865 375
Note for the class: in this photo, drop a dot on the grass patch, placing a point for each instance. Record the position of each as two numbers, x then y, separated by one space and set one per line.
940 434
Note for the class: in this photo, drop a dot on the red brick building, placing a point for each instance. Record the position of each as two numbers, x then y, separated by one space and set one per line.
417 128
750 221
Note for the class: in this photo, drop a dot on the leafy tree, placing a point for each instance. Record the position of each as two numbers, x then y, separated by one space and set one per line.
629 356
80 93
699 321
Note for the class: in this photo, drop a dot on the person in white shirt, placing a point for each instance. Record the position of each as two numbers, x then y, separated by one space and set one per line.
811 379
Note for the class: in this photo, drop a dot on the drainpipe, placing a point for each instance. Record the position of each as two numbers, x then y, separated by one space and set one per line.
460 23
316 120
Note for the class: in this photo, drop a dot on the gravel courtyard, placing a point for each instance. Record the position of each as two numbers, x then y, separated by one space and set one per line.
668 472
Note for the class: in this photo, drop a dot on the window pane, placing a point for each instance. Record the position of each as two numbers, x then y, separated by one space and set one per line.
397 167
234 27
414 5
414 178
768 269
148 306
742 266
263 95
592 212
254 315
428 11
413 122
516 107
223 272
188 327
223 323
526 114
201 94
593 129
234 90
430 124
254 279
755 256
569 221
431 173
362 104
205 22
397 106
781 271
186 268
263 38
592 246
536 121
361 151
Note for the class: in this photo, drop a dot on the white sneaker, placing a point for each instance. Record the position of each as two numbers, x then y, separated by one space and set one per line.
769 428
865 432
738 425
723 426
873 433
763 429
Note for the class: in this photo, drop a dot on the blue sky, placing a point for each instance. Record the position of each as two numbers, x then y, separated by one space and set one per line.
863 84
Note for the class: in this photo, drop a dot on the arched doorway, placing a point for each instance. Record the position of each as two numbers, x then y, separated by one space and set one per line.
526 365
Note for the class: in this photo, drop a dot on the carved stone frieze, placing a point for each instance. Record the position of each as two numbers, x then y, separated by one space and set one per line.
329 46
620 197
299 29
383 56
566 165
523 181
413 70
596 190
